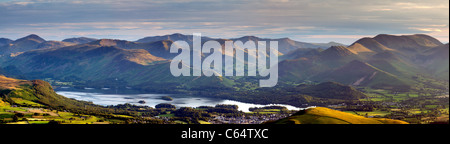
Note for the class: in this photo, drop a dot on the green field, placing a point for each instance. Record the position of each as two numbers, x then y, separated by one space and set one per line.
38 122
265 111
23 102
373 113
7 114
386 95
167 115
180 122
431 106
320 115
203 122
20 122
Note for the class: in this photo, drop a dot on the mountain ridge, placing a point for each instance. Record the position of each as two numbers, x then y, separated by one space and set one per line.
301 64
79 40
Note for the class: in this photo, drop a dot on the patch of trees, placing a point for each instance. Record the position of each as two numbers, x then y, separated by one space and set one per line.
235 107
191 112
165 105
224 109
281 108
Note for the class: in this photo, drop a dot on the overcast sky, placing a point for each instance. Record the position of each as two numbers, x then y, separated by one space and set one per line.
342 21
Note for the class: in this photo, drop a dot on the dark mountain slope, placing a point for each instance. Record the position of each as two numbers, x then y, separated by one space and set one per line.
330 90
89 62
29 42
79 40
53 44
359 73
436 61
5 41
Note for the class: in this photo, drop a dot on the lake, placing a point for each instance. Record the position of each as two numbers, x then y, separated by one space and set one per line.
113 97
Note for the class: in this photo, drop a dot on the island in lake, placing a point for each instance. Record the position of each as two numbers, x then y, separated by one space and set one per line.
167 98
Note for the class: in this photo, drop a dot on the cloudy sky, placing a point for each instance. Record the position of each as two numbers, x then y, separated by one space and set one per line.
342 21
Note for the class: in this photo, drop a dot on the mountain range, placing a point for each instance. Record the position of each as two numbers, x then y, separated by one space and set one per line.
384 61
286 45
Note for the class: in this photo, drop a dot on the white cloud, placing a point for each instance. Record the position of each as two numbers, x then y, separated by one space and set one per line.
410 5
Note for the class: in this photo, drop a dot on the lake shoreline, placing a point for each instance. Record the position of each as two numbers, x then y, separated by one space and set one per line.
107 97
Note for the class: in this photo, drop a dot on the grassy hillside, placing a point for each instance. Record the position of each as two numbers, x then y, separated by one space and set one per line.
10 83
359 73
331 90
37 92
436 61
321 115
103 65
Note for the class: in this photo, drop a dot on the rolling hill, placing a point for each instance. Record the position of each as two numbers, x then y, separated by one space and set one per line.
79 40
16 91
407 42
286 45
29 42
337 54
53 44
370 45
330 90
157 48
321 115
436 61
359 73
5 41
11 84
306 67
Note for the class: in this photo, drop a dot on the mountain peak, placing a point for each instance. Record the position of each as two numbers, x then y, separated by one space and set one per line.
359 48
411 42
32 37
247 38
340 50
372 44
383 35
336 52
173 37
177 34
5 41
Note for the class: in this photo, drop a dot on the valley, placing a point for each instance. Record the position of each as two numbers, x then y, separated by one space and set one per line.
386 76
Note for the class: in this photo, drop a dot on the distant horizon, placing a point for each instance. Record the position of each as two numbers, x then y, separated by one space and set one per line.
342 21
348 44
